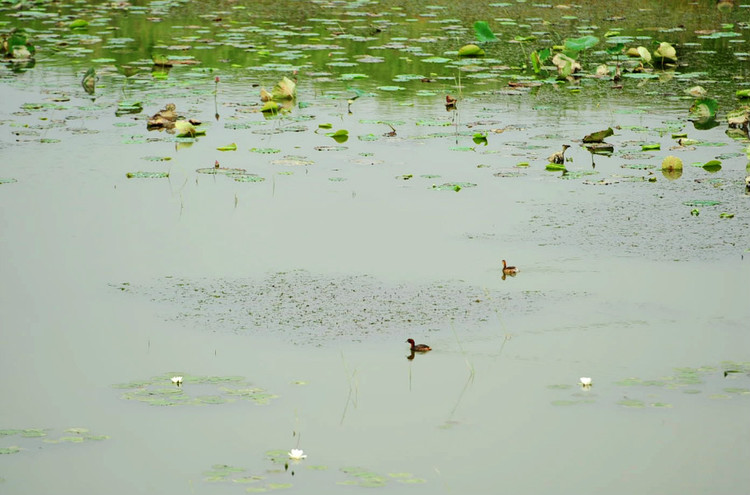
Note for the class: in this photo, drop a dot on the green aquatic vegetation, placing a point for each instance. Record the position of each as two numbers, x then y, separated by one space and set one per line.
737 390
293 160
248 178
483 32
7 180
453 186
701 202
13 449
128 106
228 147
265 151
193 390
362 477
147 175
712 166
156 158
470 50
632 403
221 171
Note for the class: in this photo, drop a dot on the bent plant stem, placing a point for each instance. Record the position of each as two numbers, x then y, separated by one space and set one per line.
353 389
506 336
469 379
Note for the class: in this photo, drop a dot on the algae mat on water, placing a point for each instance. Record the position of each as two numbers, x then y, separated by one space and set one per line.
317 308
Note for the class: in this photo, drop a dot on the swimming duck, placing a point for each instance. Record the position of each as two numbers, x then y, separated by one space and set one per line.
747 183
559 157
418 347
509 270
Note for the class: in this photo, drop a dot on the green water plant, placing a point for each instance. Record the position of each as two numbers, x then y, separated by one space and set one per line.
483 32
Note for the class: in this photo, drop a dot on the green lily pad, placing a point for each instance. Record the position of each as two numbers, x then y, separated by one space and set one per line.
248 178
702 202
470 50
228 147
265 151
10 450
147 175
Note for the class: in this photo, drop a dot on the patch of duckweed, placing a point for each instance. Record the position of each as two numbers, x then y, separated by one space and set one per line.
194 390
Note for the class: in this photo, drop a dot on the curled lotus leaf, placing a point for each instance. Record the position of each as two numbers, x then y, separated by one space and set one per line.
671 163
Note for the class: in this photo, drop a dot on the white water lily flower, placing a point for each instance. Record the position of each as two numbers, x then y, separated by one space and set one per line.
177 380
586 382
297 454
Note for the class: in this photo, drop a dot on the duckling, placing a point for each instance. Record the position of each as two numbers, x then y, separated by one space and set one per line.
418 347
747 184
558 157
509 270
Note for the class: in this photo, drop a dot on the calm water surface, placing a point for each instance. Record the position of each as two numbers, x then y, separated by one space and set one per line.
618 282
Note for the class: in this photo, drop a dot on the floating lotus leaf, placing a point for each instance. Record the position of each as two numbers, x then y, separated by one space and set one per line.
157 392
293 160
743 93
7 180
671 163
248 178
702 202
598 137
265 151
10 450
147 175
128 106
330 148
229 147
582 43
712 166
221 170
470 51
453 186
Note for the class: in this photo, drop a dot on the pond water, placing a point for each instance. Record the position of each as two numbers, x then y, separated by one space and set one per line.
283 294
